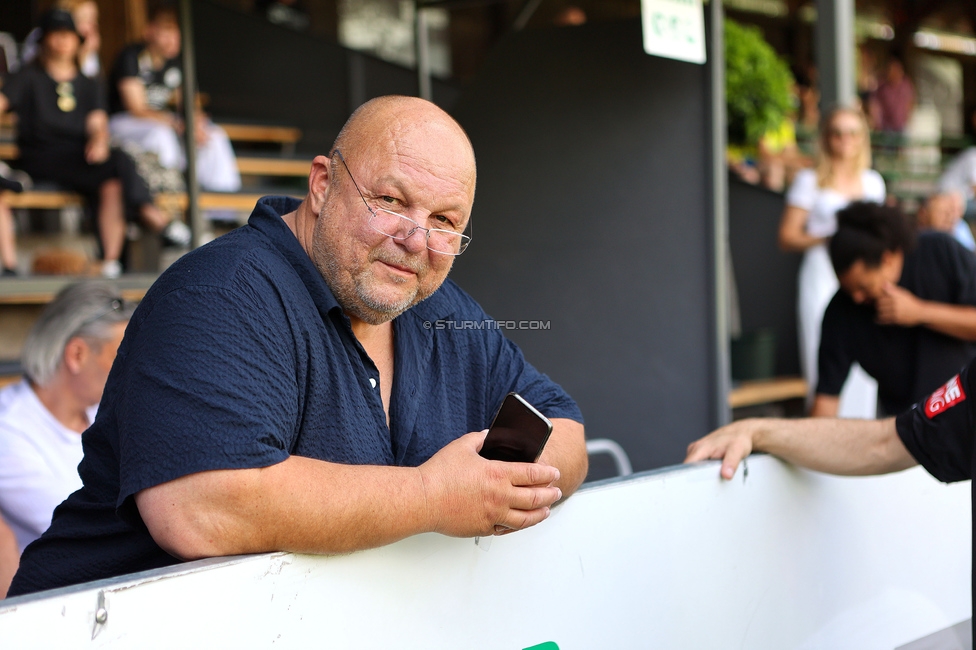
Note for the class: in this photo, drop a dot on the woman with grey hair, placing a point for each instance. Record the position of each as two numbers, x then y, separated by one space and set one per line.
66 361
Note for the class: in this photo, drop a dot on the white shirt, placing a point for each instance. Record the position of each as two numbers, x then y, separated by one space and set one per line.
823 203
39 459
960 174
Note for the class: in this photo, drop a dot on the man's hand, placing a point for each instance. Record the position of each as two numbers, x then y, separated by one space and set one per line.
899 306
96 150
306 505
837 446
469 496
201 130
730 444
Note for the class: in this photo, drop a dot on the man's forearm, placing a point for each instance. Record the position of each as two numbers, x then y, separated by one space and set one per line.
312 506
954 320
300 504
836 446
566 450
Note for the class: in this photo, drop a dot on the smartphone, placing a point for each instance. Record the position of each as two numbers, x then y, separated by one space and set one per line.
518 433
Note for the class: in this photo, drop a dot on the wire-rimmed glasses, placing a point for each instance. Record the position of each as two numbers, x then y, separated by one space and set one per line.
398 226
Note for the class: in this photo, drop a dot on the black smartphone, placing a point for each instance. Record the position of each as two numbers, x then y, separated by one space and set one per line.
518 433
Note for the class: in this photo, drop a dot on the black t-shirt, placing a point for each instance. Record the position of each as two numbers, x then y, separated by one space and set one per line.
939 432
51 115
160 84
907 362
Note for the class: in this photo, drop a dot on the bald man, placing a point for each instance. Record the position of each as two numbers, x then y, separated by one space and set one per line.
282 388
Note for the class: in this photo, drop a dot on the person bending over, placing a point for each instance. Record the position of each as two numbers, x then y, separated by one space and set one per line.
281 389
905 311
66 359
62 133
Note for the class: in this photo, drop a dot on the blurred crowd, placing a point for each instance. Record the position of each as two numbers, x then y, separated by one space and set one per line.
115 138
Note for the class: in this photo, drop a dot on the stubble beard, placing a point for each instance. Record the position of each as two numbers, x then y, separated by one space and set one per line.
354 290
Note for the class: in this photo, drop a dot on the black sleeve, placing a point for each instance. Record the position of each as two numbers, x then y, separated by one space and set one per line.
101 100
90 94
938 431
835 358
962 270
127 65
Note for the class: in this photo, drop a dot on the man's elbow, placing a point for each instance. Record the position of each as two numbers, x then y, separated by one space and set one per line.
181 528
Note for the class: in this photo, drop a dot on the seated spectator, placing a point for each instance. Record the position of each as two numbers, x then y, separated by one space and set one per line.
943 212
66 360
8 247
8 238
145 87
905 310
960 176
63 137
9 557
85 15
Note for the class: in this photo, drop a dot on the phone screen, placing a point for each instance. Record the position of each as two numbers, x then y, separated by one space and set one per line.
518 433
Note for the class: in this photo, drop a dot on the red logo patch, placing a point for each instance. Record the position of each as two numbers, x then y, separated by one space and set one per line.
947 396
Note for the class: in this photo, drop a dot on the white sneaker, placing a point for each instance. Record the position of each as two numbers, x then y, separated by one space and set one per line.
111 269
177 233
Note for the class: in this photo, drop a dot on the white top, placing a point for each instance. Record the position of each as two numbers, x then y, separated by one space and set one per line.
823 203
39 459
964 235
960 174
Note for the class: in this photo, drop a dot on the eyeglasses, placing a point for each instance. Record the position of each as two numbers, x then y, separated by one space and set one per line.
114 305
397 226
839 133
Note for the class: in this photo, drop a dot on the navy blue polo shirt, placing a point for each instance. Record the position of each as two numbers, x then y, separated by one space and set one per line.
239 356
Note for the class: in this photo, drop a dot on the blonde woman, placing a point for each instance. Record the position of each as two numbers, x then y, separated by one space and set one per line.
842 174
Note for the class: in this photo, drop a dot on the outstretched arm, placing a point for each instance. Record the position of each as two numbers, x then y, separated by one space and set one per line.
312 506
836 446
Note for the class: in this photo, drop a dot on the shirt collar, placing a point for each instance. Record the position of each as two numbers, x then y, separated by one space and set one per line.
266 218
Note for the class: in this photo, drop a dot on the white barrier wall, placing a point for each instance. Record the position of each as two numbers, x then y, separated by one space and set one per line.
669 559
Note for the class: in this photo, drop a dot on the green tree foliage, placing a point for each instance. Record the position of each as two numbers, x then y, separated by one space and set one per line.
757 85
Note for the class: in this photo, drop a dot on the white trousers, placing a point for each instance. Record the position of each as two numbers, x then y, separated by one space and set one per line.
817 285
216 164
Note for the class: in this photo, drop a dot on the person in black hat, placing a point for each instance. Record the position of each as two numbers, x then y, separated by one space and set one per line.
63 137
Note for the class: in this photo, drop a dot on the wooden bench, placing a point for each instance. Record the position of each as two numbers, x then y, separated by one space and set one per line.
258 166
286 136
765 391
267 166
58 199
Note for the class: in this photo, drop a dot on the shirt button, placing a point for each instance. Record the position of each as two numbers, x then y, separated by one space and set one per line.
372 382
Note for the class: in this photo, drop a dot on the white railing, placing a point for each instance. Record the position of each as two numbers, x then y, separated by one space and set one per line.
676 558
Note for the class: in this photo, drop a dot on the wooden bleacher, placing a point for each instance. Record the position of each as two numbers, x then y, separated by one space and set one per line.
765 391
254 168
